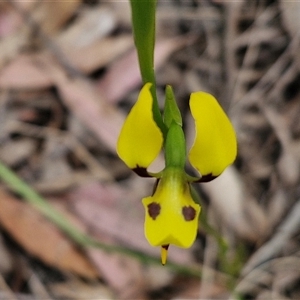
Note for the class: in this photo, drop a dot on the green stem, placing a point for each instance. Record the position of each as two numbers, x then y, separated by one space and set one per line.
175 147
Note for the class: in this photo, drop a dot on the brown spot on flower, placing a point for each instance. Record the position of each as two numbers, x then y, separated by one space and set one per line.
166 246
189 213
142 172
207 178
153 210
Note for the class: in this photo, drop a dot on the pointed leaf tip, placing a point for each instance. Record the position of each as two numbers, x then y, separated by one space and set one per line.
171 111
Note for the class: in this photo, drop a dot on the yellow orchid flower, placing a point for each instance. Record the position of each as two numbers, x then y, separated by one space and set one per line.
171 215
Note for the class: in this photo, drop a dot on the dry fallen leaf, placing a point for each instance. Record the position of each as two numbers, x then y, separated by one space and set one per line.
51 15
98 54
10 19
24 72
75 288
41 238
87 105
91 25
124 274
124 74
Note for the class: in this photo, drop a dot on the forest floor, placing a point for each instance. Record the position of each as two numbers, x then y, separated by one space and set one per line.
68 77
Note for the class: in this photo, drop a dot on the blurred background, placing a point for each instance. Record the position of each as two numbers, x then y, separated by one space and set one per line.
68 77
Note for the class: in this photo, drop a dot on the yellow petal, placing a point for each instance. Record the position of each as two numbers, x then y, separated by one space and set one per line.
171 214
140 139
215 145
